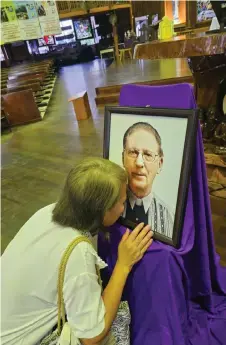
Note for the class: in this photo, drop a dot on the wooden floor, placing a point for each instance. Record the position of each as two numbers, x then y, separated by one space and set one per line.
37 157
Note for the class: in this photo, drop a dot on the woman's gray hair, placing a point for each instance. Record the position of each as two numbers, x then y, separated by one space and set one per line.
92 188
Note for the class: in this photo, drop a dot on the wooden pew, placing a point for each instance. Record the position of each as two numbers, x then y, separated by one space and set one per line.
3 83
5 124
32 86
27 69
32 64
40 96
14 83
22 78
30 67
36 79
40 76
21 107
28 72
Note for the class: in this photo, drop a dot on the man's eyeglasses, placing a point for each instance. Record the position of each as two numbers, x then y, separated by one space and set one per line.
148 156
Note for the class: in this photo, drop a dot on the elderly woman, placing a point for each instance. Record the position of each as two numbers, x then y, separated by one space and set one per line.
92 199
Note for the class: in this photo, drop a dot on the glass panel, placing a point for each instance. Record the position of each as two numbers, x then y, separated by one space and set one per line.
139 23
95 26
43 50
176 18
88 42
68 34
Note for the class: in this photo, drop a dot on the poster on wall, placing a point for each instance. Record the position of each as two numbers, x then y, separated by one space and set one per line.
48 17
204 10
83 28
10 31
28 20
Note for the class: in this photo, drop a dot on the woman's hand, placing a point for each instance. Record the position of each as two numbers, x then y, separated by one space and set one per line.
133 245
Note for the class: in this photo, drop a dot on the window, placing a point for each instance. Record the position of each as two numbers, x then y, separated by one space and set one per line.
204 10
176 18
176 11
95 29
68 34
139 22
88 42
43 50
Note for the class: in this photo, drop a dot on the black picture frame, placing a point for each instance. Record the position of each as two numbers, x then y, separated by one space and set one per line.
188 152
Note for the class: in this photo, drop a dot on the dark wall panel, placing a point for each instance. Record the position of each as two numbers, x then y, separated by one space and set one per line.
143 8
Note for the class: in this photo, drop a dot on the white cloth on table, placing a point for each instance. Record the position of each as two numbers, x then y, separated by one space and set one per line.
214 24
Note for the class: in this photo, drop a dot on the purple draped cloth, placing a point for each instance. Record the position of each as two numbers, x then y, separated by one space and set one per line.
176 296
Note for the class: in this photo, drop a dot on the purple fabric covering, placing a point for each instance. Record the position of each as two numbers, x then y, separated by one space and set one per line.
176 296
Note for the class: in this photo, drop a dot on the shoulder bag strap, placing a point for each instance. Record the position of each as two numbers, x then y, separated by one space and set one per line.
61 275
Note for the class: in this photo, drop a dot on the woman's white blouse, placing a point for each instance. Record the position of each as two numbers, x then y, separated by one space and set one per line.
29 283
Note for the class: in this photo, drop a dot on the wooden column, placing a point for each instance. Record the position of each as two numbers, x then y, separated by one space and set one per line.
115 36
131 16
191 13
168 9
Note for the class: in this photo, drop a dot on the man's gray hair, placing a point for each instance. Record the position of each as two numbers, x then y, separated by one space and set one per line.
147 127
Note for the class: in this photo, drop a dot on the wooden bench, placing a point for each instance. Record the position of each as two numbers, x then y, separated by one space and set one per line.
13 88
37 79
21 107
122 53
107 51
27 68
15 83
30 66
29 77
29 71
5 123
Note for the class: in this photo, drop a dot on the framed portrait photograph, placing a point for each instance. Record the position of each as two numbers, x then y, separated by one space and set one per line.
156 148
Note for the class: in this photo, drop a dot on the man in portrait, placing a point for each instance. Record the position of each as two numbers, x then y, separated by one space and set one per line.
143 158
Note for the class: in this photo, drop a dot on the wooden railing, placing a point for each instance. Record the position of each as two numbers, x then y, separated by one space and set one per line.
72 6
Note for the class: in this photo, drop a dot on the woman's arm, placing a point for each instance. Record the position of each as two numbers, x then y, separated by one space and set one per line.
131 249
111 297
